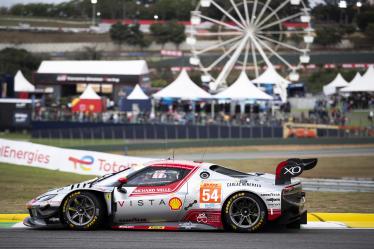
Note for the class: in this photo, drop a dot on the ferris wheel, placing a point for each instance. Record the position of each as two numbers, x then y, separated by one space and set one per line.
248 34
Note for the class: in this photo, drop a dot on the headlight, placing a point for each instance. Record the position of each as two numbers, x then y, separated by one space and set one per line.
45 197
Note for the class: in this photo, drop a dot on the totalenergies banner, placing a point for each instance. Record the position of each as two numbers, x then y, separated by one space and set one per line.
67 160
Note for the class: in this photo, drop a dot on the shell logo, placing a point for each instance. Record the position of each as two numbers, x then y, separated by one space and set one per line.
175 204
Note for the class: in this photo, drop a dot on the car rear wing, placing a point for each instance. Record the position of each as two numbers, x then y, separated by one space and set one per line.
292 168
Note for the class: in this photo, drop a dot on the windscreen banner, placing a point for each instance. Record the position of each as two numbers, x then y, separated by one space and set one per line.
66 160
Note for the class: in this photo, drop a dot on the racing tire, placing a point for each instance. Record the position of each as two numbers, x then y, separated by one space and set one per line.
83 211
244 212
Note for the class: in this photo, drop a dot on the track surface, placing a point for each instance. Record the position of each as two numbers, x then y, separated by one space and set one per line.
314 239
336 152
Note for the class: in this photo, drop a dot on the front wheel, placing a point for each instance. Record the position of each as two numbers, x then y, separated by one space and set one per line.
244 212
83 211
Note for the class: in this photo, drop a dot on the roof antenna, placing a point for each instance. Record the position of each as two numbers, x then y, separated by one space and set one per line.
173 154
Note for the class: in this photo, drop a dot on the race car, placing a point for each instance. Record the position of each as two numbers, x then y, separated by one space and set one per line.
177 195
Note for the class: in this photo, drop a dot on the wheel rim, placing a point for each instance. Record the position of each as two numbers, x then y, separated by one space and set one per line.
80 210
245 212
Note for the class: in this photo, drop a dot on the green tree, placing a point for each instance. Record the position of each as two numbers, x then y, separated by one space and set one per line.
177 34
160 33
369 32
129 34
12 60
328 36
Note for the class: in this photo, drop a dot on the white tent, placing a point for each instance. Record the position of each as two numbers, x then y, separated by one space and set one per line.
21 84
89 93
365 84
333 86
136 67
182 88
137 94
243 89
271 76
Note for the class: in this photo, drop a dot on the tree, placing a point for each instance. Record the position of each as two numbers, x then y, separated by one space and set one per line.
129 34
369 32
160 33
328 36
177 33
12 60
364 19
118 33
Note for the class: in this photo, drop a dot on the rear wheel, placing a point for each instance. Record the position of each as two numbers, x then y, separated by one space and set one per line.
244 212
83 211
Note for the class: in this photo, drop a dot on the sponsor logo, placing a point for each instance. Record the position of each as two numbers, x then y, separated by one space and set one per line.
243 183
271 194
294 171
273 199
141 203
30 157
156 227
85 163
187 225
201 218
175 204
133 220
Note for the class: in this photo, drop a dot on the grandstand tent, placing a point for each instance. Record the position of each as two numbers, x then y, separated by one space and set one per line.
182 88
335 85
137 100
243 89
365 84
89 101
21 84
273 79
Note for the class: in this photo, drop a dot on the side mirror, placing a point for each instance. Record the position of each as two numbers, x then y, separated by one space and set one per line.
121 187
123 180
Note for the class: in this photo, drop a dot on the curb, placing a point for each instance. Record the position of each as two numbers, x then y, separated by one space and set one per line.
12 218
351 220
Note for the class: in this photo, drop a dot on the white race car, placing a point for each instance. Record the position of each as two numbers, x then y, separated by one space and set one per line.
177 195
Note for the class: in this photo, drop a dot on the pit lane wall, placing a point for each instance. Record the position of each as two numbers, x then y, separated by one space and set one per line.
66 160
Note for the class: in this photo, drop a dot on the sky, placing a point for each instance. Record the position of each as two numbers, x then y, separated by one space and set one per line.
8 3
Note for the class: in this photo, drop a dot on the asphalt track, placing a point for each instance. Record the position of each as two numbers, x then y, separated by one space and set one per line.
286 239
335 152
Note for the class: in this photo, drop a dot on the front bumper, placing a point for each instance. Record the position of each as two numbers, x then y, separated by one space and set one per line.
40 217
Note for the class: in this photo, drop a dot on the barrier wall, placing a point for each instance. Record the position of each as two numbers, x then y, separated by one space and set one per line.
149 131
66 160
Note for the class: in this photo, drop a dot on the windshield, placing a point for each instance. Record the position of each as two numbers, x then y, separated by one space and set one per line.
107 176
228 172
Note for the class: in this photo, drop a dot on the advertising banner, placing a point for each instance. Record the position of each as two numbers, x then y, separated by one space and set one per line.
66 160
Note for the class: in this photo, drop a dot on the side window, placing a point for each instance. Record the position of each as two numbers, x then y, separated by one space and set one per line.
156 176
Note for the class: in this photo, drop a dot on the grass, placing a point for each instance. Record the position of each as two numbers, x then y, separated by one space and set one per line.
16 37
19 184
43 22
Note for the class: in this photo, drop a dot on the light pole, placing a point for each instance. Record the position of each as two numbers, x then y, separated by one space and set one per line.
93 2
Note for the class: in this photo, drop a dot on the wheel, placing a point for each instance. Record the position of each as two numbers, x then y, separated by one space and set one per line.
83 211
244 212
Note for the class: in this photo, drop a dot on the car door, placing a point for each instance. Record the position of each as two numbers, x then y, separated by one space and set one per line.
154 194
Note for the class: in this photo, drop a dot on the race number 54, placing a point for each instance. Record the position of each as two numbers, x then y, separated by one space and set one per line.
210 193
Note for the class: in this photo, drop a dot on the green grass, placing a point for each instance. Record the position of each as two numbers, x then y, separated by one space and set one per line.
19 184
43 22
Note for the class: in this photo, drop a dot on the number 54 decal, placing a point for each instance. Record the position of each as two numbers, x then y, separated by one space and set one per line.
210 193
